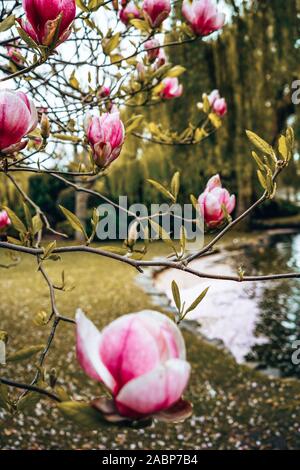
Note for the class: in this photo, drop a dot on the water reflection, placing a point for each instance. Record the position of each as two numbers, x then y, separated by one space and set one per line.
279 304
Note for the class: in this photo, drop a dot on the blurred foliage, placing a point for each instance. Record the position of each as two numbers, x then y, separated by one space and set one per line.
253 63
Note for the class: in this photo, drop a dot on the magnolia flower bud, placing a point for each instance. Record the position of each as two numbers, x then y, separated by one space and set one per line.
18 116
156 11
214 200
4 220
171 88
45 126
203 16
129 12
152 48
106 136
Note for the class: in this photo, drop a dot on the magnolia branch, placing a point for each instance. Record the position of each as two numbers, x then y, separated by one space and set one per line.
139 265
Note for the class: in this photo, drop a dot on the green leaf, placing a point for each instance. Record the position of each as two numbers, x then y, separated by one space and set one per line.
262 180
182 239
176 71
37 224
28 402
109 44
82 5
73 221
67 138
133 123
17 223
73 81
14 241
196 302
49 249
26 38
215 120
290 135
283 148
176 295
25 353
175 184
162 189
142 25
7 23
81 413
195 202
94 5
258 161
261 144
206 104
28 217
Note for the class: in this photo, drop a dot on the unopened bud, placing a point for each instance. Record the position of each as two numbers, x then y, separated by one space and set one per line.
45 126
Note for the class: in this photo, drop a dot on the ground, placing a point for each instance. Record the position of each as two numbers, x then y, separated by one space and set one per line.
234 407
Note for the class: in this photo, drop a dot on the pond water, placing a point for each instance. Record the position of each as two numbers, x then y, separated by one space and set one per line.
257 322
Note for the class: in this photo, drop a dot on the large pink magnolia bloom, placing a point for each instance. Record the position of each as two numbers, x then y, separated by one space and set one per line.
218 104
139 357
42 17
106 135
18 116
214 200
171 88
4 220
156 11
203 16
129 12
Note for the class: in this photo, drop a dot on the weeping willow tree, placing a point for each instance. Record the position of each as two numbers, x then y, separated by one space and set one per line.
253 63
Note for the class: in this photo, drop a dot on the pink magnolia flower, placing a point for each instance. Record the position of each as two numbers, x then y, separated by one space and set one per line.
171 88
18 116
156 11
218 104
214 200
14 54
42 18
106 135
203 16
129 12
4 220
103 91
139 357
161 58
152 48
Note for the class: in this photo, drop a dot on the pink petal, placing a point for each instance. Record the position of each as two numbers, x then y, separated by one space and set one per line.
231 204
88 343
15 118
155 391
167 334
128 349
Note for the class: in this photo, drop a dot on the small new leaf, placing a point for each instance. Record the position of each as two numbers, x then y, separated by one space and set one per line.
25 353
196 302
176 295
162 189
17 223
261 144
73 221
7 23
81 413
175 184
